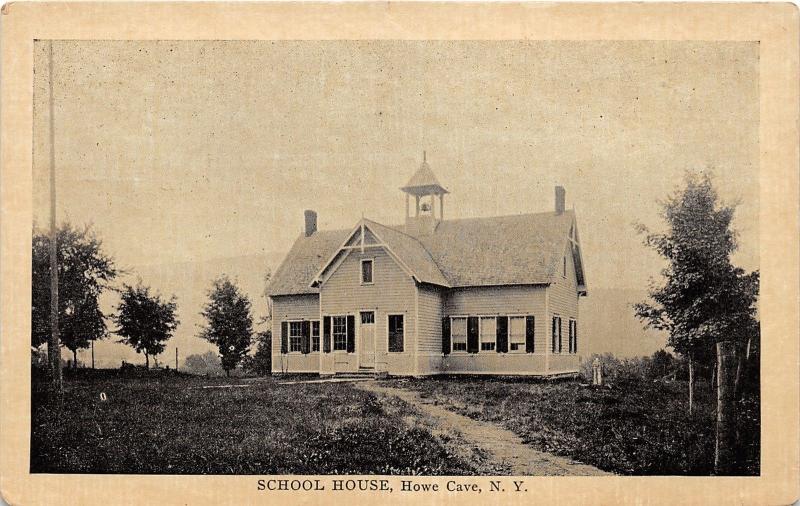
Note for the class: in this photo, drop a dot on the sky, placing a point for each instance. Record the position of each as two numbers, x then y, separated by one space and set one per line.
196 157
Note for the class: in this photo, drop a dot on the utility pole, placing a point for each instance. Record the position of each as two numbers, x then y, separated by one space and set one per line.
92 353
176 358
54 344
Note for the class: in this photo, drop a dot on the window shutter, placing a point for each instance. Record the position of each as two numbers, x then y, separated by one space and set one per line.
529 326
472 334
575 338
351 333
326 335
446 335
305 342
502 334
560 340
284 337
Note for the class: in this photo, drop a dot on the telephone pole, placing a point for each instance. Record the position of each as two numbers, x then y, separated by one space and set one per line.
176 358
53 345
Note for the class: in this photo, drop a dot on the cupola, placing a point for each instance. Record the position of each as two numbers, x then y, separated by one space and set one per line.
424 186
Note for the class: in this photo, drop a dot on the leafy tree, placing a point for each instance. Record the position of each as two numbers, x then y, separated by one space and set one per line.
260 363
229 322
84 272
145 321
704 298
206 364
661 364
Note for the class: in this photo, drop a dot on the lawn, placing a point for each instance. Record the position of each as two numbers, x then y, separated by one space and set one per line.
634 428
170 424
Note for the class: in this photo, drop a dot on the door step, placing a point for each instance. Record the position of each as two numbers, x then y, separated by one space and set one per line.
361 373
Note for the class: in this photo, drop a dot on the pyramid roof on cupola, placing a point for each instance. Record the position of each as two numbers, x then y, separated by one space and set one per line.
424 181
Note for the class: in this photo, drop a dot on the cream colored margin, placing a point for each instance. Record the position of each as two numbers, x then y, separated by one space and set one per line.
774 25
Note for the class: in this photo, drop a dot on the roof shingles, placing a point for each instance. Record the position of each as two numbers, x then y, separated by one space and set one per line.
503 250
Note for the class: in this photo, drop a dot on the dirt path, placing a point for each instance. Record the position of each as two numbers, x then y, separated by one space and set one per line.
504 447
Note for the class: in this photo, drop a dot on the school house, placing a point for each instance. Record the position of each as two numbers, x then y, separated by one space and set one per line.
492 295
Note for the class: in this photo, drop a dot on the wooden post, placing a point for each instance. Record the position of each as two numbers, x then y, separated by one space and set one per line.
441 206
408 205
92 353
725 449
176 358
417 199
54 344
691 383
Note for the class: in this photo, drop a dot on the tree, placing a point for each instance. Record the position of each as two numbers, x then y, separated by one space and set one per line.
260 363
84 272
145 321
206 364
705 300
229 322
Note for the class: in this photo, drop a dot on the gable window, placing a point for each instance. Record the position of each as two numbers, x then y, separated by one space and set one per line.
296 336
396 333
573 336
564 267
556 334
366 271
339 324
315 335
458 333
488 333
516 334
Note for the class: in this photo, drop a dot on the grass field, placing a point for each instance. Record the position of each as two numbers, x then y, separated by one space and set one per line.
635 428
170 424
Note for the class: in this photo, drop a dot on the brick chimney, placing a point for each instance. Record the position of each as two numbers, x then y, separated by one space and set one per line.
311 222
560 199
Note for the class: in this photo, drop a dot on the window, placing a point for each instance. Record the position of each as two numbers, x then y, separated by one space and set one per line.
564 267
396 333
366 271
315 336
367 317
516 333
573 336
556 334
488 333
339 333
458 333
295 336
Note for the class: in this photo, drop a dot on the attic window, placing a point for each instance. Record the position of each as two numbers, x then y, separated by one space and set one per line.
564 266
366 271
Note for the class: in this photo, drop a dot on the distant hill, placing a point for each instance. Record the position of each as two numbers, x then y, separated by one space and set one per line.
607 324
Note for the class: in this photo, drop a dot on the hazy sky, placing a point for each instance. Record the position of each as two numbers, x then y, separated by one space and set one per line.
197 153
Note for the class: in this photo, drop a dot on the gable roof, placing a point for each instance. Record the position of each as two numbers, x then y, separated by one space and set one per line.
503 250
303 261
411 252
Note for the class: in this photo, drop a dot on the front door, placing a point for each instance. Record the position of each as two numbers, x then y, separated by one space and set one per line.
366 334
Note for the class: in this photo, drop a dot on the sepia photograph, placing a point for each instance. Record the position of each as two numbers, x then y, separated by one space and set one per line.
395 257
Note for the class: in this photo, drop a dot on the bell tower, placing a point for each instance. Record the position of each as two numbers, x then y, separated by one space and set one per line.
424 187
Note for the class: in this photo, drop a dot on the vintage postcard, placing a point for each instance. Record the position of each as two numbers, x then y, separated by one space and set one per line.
399 252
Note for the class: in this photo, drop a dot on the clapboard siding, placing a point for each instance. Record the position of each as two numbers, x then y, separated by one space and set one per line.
563 295
430 319
392 292
502 300
293 307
